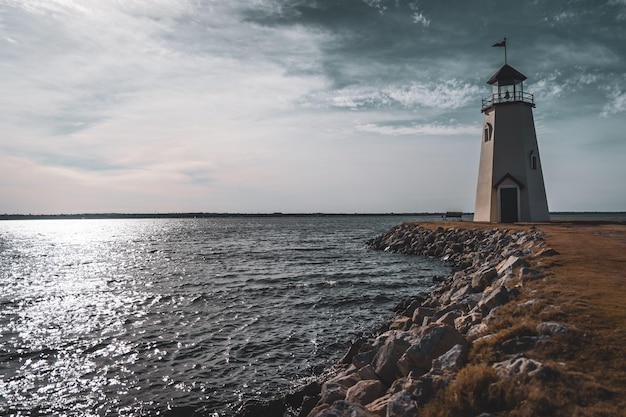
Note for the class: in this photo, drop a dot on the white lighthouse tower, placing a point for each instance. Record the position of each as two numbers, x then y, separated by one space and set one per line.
510 181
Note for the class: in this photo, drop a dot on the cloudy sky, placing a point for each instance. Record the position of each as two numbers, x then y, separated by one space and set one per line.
298 105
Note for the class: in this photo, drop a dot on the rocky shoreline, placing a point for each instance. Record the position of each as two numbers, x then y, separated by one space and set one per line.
425 347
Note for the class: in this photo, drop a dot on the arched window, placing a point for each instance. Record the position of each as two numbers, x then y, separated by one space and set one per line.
533 160
488 132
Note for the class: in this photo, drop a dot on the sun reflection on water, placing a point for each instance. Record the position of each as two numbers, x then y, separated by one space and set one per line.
65 313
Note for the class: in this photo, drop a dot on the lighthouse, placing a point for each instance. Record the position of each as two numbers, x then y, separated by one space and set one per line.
510 180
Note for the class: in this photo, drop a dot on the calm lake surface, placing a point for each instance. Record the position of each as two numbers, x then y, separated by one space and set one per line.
148 317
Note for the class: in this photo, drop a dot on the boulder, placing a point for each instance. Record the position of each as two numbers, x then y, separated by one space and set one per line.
366 352
526 274
364 392
401 404
421 313
463 323
511 262
449 317
506 280
332 391
483 278
364 357
439 339
352 351
477 329
410 309
424 389
379 406
492 299
317 410
367 372
520 344
462 292
346 379
452 360
551 328
519 365
401 323
385 361
344 408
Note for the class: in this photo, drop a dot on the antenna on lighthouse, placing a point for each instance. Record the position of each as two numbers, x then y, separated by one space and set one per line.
502 44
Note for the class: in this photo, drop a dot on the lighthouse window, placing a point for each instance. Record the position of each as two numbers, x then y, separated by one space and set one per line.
533 160
487 132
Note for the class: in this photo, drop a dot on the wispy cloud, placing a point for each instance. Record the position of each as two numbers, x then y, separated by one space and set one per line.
445 95
616 104
420 130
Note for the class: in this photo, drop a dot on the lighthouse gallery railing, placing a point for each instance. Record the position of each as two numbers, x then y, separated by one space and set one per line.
512 97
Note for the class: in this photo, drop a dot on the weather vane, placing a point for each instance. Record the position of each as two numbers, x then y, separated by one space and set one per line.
502 44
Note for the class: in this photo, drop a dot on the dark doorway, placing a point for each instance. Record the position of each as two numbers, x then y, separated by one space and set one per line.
508 205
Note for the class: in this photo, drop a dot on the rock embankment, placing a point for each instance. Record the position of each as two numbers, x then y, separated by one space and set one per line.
427 343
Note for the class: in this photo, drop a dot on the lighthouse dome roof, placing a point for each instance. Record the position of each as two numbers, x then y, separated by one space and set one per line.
506 75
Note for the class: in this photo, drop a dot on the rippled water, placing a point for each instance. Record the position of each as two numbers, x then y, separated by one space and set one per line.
145 317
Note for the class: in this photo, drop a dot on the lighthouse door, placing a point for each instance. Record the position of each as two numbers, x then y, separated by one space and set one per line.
508 205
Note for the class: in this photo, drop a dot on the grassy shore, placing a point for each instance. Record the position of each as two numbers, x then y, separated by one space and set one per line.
582 287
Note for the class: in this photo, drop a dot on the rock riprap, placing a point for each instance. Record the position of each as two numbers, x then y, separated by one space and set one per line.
427 343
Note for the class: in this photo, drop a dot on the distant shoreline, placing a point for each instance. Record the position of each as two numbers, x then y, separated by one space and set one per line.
193 215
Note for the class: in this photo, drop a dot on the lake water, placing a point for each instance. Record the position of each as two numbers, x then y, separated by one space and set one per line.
149 317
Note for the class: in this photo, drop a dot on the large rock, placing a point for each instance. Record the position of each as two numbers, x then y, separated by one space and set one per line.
386 359
492 299
551 328
449 317
521 344
527 274
418 357
344 408
332 391
421 313
379 405
510 263
352 351
519 365
367 372
401 404
452 360
364 392
463 323
401 323
483 278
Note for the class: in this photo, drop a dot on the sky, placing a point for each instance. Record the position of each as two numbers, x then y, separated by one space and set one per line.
299 106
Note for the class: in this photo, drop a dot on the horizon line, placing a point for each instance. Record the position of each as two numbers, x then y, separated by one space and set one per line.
105 215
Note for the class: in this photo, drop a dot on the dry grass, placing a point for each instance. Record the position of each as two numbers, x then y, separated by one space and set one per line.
584 288
468 395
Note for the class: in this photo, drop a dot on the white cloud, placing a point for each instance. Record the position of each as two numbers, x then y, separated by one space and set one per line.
450 94
446 95
420 130
616 104
419 18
